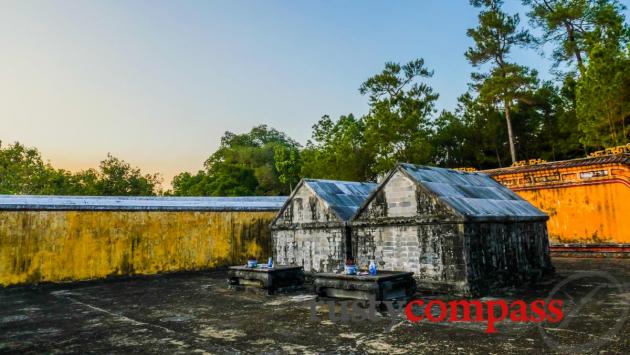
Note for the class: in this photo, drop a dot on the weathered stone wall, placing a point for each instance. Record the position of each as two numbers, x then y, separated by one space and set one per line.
401 199
78 245
305 208
433 252
397 192
307 233
392 200
317 250
465 259
501 254
391 247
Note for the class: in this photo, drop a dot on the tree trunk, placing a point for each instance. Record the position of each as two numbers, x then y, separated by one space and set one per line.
613 130
510 133
496 150
576 50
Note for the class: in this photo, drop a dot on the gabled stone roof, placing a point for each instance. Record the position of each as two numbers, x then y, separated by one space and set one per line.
343 197
473 195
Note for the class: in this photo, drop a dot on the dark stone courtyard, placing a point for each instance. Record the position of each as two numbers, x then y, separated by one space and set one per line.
197 313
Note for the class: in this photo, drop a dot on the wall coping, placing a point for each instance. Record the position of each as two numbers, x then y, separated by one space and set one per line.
139 203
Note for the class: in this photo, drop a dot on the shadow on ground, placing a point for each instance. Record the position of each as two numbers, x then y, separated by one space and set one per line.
197 313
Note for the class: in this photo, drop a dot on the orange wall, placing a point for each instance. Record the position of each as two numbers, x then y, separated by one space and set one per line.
583 207
585 214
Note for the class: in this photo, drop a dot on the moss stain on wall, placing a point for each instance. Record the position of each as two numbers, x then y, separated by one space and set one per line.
38 246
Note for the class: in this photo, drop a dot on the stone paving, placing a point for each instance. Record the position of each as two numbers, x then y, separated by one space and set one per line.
197 313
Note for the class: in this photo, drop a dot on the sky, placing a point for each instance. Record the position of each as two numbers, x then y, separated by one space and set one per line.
157 83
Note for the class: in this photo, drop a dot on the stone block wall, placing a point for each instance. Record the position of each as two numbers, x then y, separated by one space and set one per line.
397 193
501 254
316 249
305 208
402 199
433 252
309 234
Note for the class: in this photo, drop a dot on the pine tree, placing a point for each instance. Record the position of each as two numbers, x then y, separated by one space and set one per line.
504 82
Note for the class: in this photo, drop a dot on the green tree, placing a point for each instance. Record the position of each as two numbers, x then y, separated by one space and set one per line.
244 164
224 181
254 150
568 23
563 23
398 126
22 171
186 184
593 34
85 182
603 98
116 177
288 164
452 141
337 150
470 136
505 82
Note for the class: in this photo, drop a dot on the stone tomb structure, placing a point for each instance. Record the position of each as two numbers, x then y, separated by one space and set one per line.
458 232
272 279
386 285
311 228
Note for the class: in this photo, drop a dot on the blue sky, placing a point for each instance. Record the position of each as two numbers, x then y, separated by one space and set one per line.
158 82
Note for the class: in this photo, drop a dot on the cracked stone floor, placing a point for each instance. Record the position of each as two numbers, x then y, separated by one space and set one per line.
197 313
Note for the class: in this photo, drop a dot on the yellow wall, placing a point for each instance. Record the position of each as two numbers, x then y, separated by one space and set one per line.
586 204
585 214
78 245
